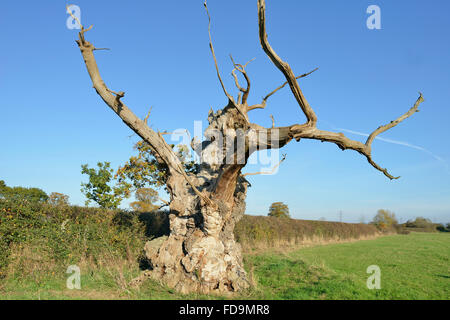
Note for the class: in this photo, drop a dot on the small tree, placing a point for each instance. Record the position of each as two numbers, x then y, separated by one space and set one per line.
143 170
146 198
384 219
279 210
99 190
58 199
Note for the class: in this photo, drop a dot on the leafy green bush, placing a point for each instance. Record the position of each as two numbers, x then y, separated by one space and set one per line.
67 235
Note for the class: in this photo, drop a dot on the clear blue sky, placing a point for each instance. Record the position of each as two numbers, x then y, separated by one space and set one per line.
52 121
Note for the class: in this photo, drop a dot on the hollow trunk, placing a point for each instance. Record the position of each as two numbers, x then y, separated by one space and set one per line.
201 254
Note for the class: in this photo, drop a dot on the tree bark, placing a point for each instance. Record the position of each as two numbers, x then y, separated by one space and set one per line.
201 254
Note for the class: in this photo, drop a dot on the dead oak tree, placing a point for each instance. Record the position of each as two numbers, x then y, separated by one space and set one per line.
200 254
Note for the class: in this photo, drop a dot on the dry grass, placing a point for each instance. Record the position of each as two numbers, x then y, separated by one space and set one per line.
281 247
257 234
31 260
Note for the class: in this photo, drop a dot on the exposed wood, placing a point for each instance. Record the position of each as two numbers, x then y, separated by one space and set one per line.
266 172
262 105
283 66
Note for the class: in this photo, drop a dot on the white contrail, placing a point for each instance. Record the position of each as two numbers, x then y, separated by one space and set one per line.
402 143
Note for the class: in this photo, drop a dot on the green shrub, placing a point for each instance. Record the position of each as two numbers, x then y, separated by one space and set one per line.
441 228
421 224
268 231
68 235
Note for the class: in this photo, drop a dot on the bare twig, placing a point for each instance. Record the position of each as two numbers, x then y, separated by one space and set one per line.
283 67
160 149
262 105
241 69
148 115
214 54
267 172
392 124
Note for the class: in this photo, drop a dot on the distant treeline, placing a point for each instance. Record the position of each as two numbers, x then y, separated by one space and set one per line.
259 231
21 193
421 224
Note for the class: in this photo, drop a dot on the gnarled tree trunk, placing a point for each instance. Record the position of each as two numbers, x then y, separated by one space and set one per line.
201 254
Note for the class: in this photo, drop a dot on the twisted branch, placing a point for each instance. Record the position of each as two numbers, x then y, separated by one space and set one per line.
241 69
160 149
283 67
309 130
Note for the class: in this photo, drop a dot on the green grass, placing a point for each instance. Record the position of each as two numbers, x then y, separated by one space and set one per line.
414 266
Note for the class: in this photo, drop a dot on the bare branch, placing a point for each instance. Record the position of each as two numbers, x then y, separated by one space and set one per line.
166 203
241 69
214 55
202 195
283 67
119 94
284 84
147 116
344 143
112 99
392 124
160 149
308 130
262 105
74 17
236 81
267 172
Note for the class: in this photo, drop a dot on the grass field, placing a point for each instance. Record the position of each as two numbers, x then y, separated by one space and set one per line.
414 266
